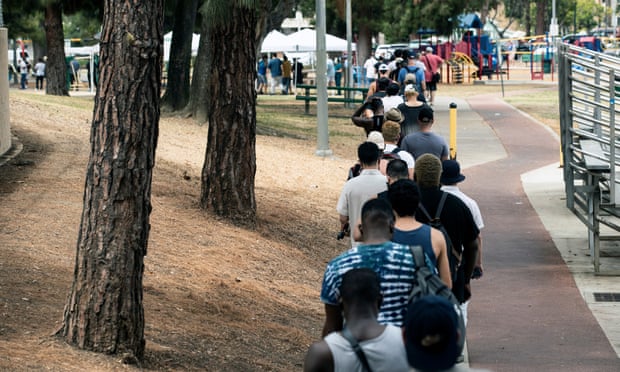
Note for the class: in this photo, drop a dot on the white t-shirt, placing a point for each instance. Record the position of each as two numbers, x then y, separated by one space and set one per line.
369 65
403 155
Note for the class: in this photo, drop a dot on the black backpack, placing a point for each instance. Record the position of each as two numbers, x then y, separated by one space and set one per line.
428 283
454 253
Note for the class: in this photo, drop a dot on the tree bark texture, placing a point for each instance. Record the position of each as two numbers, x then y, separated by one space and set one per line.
104 311
179 64
198 100
541 13
230 161
56 69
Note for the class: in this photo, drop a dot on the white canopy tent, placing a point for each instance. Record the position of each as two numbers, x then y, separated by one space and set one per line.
168 41
305 40
275 42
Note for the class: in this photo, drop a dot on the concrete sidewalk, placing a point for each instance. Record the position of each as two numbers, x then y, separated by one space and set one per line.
534 308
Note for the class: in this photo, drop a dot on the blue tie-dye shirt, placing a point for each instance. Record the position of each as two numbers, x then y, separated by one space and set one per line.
395 267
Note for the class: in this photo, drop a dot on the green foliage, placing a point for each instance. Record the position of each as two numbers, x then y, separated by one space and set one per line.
82 25
589 14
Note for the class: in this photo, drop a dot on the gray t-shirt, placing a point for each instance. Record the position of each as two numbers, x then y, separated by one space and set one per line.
420 143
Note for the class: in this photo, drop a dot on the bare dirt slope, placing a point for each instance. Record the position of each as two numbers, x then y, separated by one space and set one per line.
216 297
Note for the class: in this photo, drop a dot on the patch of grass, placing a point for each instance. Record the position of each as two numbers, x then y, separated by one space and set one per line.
79 102
542 105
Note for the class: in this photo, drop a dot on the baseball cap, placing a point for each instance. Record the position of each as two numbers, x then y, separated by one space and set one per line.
431 334
410 78
429 49
383 67
426 115
376 138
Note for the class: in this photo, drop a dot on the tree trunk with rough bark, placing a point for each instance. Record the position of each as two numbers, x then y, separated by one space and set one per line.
56 69
176 96
230 161
541 13
104 310
198 100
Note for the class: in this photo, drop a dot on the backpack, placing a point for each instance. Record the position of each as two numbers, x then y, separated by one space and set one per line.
454 253
386 158
428 283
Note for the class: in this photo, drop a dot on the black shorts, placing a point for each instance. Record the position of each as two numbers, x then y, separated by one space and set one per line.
431 86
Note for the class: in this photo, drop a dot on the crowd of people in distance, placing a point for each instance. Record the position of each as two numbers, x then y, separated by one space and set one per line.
278 74
402 193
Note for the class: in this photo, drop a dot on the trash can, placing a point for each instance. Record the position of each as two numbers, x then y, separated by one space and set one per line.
547 66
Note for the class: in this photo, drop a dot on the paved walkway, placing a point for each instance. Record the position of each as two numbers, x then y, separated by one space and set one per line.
528 312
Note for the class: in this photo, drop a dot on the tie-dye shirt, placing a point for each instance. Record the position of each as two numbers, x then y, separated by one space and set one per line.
395 267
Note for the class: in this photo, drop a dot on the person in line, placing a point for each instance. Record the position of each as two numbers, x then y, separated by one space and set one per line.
392 97
262 75
393 263
275 70
369 115
382 345
411 110
391 136
425 141
404 197
369 67
39 72
413 68
450 178
383 80
431 336
433 63
358 190
455 218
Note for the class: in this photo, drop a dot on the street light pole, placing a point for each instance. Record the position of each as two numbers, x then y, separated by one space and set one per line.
321 82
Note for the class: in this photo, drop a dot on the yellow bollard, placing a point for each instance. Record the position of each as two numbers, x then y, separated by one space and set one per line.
453 131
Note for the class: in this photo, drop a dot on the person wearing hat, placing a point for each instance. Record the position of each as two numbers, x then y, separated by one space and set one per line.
373 88
382 345
450 177
455 218
431 335
433 63
425 141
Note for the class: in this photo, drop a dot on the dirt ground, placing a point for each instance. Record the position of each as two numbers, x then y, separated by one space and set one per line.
216 297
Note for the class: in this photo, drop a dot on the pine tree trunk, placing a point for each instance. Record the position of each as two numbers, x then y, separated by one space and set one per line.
198 101
104 311
541 12
56 69
230 161
179 64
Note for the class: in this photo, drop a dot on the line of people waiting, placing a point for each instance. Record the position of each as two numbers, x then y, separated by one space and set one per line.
379 208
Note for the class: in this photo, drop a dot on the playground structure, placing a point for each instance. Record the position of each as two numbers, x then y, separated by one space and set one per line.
589 83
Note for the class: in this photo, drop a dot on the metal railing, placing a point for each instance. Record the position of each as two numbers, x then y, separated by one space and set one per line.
589 83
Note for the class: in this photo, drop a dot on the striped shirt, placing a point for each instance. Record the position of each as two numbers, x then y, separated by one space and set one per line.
394 265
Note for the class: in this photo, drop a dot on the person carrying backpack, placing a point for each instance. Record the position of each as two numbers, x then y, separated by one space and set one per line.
412 68
449 213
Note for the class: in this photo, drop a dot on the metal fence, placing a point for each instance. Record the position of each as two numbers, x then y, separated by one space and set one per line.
589 83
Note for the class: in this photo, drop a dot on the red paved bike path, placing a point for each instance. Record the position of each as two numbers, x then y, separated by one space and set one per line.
527 313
